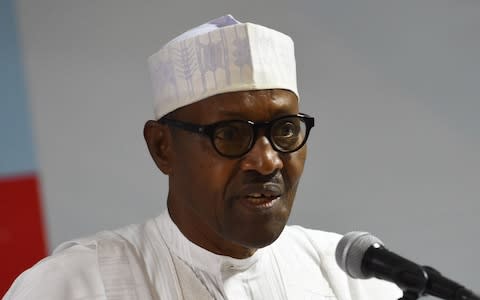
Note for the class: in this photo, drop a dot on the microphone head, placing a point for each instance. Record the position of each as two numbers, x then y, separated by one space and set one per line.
350 251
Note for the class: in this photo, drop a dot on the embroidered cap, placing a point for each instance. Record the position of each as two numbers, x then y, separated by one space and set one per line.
220 56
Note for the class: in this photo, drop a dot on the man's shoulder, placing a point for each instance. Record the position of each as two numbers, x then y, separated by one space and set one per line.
66 274
318 248
323 242
128 233
73 270
315 234
314 249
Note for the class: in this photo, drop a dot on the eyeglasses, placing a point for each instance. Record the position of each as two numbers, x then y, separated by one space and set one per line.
235 138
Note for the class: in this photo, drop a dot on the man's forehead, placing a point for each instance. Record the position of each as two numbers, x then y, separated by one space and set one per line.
253 104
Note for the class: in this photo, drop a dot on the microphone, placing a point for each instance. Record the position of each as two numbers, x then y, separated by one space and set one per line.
362 255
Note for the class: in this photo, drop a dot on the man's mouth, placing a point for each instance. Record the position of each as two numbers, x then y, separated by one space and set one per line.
261 196
264 197
261 192
258 200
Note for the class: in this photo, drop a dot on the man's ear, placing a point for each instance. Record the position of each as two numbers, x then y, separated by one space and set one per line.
159 143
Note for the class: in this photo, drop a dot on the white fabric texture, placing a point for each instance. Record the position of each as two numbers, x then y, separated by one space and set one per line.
220 56
155 261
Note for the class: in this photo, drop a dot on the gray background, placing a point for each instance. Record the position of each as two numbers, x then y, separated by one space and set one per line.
393 85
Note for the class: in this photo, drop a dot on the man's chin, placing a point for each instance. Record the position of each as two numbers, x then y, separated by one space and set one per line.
261 239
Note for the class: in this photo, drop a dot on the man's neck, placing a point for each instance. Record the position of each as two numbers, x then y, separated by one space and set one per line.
202 234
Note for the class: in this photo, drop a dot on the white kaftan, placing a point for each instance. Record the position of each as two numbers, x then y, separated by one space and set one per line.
155 261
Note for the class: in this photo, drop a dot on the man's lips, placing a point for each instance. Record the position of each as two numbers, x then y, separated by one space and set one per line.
261 195
267 189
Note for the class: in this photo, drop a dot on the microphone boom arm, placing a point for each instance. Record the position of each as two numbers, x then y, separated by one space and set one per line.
413 279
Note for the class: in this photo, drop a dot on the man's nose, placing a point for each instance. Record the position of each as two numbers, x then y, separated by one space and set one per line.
262 158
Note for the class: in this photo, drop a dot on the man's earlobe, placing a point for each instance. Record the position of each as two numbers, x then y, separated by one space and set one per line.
159 143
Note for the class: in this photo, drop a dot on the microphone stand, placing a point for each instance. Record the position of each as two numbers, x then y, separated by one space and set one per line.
429 281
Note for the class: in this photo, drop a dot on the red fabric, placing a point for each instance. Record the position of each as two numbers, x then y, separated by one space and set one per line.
22 237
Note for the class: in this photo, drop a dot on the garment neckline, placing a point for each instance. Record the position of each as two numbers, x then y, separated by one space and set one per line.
197 256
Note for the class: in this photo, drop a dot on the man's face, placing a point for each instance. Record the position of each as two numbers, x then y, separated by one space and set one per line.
233 206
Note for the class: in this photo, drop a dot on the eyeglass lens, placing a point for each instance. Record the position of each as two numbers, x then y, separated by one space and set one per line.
234 138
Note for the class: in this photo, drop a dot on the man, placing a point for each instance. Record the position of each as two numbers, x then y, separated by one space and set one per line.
229 135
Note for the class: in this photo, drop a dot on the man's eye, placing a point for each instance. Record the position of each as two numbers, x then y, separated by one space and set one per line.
227 133
287 130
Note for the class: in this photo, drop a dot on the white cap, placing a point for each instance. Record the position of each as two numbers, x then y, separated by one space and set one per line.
217 57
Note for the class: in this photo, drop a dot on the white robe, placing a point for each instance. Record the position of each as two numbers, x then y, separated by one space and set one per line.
155 261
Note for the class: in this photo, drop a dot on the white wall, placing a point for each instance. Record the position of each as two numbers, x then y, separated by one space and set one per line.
393 86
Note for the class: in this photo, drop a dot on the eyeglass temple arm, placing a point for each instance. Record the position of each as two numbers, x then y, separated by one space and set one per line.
183 125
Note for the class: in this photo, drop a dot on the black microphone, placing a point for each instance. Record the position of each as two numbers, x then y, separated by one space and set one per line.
362 255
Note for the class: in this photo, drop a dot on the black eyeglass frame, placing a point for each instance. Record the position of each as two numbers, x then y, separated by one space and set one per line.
209 130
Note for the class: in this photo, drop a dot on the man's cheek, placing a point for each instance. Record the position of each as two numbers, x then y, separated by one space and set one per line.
298 163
